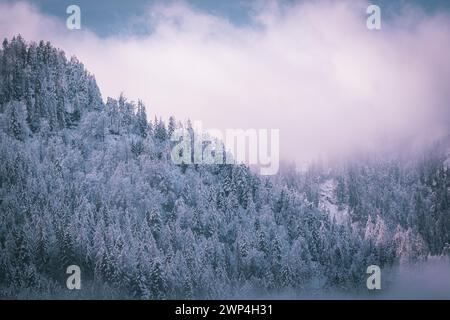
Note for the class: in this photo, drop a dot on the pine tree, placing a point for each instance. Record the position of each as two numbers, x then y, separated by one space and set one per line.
171 127
16 120
160 130
142 124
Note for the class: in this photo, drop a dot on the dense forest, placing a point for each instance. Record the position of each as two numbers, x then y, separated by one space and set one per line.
92 184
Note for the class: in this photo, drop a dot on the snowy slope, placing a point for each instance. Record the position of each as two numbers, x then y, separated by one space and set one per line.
328 202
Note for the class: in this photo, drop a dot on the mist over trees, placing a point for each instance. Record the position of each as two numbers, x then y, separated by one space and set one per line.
92 184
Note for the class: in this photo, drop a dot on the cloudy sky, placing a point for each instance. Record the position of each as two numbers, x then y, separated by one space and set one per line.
309 68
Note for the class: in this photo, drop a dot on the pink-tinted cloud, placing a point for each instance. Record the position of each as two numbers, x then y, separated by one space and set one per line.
314 71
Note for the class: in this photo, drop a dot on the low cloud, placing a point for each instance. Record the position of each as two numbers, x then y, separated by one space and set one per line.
312 70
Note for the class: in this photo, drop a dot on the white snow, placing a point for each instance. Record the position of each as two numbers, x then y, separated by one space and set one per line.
328 202
447 161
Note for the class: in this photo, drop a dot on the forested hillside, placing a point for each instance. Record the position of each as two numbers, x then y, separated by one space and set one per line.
91 183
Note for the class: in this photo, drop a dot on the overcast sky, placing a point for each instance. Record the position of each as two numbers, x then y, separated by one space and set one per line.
311 69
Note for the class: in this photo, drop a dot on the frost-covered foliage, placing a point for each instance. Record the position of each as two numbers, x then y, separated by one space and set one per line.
92 184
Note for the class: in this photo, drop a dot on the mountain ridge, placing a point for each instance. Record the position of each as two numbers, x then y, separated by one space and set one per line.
90 183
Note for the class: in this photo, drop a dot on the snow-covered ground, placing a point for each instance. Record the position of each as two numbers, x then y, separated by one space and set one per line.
328 201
